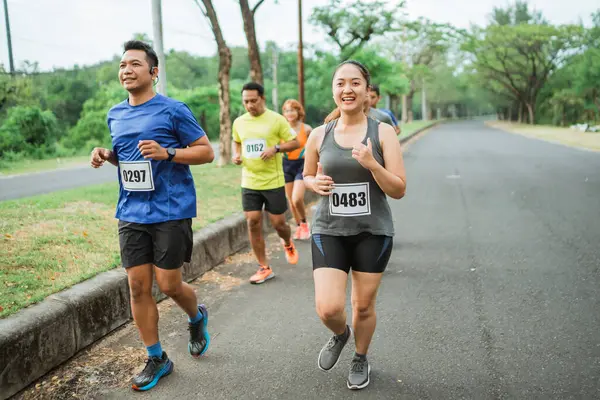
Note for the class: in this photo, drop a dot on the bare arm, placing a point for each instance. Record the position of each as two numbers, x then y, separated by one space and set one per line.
100 155
314 179
308 129
392 178
112 158
283 147
198 152
237 153
289 146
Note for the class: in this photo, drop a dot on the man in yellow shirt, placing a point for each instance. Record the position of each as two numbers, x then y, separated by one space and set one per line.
258 137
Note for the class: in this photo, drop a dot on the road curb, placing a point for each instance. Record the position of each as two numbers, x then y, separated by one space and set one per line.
415 133
41 337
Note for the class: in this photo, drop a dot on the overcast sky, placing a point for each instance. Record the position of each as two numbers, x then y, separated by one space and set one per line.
61 33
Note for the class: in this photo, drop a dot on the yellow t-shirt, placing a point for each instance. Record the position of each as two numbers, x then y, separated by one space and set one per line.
256 134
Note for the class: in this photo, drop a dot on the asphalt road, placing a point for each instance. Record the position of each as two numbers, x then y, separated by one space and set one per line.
492 292
24 185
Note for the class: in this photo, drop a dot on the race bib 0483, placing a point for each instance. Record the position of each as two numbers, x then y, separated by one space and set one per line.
136 176
253 148
350 200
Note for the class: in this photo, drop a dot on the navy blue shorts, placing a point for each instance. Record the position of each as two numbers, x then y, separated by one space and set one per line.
292 170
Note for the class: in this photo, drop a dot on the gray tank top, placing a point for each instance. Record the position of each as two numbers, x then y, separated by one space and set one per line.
357 204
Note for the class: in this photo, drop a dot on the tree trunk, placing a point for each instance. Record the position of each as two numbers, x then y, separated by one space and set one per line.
224 98
520 120
256 74
224 104
531 113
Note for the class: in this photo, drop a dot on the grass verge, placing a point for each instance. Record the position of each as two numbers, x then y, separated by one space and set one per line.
28 166
53 241
566 136
410 128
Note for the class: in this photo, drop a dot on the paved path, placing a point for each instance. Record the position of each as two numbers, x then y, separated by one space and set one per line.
23 185
493 290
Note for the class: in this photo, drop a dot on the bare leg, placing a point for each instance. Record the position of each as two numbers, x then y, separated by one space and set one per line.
364 319
143 306
254 220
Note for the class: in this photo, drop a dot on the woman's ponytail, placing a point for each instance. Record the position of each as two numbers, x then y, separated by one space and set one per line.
335 114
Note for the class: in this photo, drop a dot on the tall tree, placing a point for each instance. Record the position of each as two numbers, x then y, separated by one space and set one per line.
256 73
352 26
224 68
420 44
516 14
521 58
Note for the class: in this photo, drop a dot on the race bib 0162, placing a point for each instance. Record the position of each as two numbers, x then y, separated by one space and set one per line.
350 200
136 176
253 148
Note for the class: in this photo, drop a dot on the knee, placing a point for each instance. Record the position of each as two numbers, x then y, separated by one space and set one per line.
254 224
279 224
298 202
139 290
291 202
170 288
329 311
363 310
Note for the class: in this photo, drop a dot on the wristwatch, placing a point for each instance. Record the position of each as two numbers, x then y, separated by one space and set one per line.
277 149
171 153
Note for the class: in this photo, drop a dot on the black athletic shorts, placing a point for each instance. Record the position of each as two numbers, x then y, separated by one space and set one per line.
363 252
292 170
274 200
166 244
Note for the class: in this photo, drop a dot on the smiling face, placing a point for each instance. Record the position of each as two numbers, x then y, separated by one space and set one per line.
134 71
349 88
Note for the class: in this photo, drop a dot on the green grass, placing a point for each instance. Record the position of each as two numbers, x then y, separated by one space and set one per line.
53 241
555 134
25 166
408 129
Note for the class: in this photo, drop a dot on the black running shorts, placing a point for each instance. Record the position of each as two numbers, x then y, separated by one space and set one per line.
363 252
274 200
166 244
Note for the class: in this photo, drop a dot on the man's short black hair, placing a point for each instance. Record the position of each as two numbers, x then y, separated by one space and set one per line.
375 88
151 56
255 86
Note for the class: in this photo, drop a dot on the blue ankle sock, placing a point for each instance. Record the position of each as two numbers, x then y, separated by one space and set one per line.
197 318
155 350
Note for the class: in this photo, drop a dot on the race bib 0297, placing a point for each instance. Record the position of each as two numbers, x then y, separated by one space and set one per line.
350 200
136 176
253 148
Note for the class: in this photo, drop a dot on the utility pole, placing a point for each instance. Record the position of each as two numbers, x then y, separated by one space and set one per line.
275 83
10 53
158 46
423 101
300 57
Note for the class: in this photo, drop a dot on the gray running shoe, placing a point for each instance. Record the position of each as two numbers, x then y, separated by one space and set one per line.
330 353
360 372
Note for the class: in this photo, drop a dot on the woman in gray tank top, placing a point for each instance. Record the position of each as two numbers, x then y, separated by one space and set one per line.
354 163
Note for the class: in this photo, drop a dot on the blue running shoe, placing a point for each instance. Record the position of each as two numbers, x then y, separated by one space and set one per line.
199 337
156 368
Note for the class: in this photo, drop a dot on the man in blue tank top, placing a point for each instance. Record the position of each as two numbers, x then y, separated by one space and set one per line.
155 139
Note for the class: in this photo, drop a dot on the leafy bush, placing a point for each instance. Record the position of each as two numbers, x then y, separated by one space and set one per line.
28 131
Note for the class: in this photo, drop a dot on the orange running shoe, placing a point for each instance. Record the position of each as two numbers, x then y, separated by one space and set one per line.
298 233
305 233
291 254
263 274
